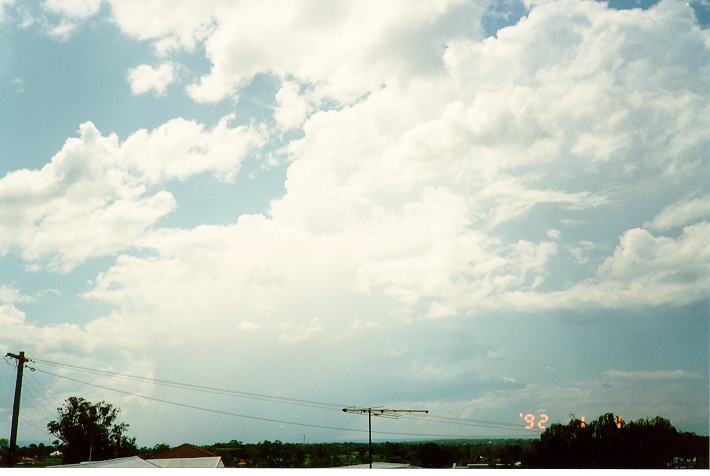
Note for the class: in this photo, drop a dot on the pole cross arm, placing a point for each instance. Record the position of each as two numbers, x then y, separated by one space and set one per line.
381 412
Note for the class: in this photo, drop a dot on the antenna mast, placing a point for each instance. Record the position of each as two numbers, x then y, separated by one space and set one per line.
380 412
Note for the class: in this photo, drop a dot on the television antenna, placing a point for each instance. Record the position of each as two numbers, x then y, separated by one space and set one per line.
378 412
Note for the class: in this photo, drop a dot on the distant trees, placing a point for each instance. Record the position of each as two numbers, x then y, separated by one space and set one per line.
88 429
277 454
4 445
146 452
604 443
432 455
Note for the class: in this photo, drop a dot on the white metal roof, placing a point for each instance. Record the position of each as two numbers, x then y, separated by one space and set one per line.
204 462
137 462
128 462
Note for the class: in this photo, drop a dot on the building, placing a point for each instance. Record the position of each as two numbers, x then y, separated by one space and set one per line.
185 450
183 456
129 462
202 462
138 462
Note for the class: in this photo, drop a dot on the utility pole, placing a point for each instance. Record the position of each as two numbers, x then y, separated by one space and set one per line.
16 406
379 412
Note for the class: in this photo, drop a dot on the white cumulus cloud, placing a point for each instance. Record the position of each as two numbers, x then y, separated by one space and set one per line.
651 374
10 295
292 106
98 195
424 195
3 6
62 31
145 78
344 48
644 270
681 213
77 9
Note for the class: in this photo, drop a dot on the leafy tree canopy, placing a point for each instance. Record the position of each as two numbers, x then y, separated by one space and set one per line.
611 443
88 429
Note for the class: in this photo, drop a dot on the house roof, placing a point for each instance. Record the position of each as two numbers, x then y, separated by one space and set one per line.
129 462
204 462
183 451
138 462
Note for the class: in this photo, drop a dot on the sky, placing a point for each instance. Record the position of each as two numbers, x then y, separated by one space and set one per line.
485 209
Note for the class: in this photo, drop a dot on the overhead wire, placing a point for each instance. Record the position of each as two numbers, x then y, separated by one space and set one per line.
33 394
272 420
202 388
453 421
29 402
42 390
9 362
473 420
273 398
32 403
33 416
24 420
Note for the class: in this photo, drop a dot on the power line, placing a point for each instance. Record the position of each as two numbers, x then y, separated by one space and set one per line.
473 420
42 390
29 397
269 398
9 363
468 421
33 404
195 407
33 394
203 388
23 420
271 420
36 414
452 421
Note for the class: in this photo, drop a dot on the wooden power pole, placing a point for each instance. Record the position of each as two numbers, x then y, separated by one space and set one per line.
381 412
16 406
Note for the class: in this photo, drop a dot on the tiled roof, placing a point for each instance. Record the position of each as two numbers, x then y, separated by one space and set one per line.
183 451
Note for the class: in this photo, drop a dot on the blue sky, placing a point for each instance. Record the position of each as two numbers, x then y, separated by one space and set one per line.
479 208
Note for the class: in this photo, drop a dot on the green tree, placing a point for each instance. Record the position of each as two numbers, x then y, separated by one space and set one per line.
432 455
149 452
87 428
606 443
4 445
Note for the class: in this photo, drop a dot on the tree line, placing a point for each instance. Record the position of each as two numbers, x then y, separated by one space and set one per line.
609 442
92 431
430 454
